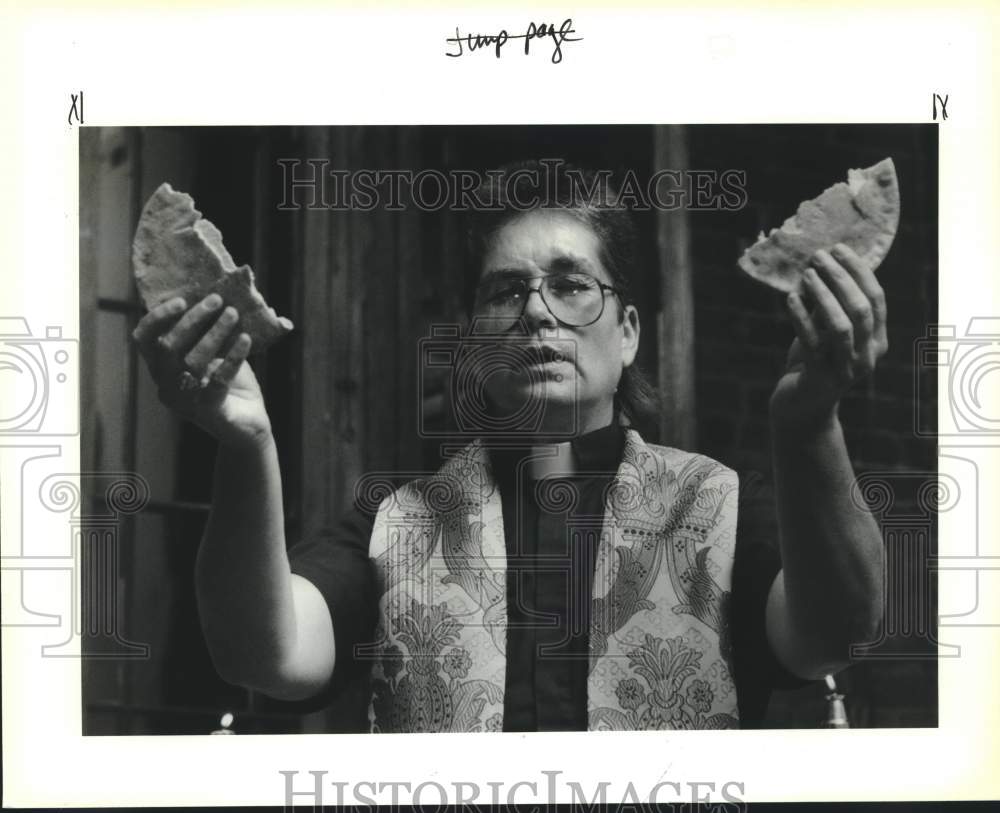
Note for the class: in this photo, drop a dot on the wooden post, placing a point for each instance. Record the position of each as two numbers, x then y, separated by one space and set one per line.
330 306
410 275
90 216
675 318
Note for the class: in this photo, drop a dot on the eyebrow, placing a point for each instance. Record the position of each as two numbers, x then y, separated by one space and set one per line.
562 264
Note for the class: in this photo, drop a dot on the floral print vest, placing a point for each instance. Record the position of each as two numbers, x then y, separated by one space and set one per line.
659 629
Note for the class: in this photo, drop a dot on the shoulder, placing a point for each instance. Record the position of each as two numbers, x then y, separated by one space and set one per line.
684 464
384 496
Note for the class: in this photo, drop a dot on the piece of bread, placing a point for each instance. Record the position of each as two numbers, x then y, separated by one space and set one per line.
178 253
862 213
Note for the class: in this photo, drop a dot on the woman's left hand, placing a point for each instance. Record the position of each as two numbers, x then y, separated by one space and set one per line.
838 341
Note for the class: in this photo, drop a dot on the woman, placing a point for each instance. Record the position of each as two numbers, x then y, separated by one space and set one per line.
559 572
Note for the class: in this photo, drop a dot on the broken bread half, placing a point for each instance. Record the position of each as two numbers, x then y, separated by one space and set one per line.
862 213
176 252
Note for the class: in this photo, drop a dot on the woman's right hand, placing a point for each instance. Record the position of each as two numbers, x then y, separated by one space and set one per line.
200 370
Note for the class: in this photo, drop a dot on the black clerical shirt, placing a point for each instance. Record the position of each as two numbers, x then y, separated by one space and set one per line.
551 528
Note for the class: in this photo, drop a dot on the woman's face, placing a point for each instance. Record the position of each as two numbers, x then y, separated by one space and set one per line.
578 389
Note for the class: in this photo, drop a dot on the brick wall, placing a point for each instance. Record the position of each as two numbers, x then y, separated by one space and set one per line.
743 335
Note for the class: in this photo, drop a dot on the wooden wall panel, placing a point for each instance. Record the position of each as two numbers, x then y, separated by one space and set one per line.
675 322
364 287
412 291
377 319
330 311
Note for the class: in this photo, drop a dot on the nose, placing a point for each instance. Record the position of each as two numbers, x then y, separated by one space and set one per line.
536 312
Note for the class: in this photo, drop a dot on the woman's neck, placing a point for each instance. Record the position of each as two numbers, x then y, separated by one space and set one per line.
551 460
562 423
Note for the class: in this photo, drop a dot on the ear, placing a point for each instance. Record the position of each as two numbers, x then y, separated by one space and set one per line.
630 335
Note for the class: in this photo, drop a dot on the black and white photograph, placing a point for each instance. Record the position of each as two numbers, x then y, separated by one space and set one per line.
509 428
429 405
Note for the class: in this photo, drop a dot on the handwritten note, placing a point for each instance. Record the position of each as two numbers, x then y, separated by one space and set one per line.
467 43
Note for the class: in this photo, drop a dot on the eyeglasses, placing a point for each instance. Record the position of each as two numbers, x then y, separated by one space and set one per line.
575 299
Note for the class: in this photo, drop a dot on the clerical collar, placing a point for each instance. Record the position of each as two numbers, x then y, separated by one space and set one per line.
599 450
602 449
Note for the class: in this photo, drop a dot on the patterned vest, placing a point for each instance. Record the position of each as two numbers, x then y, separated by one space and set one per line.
659 625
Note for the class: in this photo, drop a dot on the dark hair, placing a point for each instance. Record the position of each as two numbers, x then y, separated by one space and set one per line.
516 188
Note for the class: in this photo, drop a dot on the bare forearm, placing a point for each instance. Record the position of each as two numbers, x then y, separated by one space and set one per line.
243 579
831 546
265 627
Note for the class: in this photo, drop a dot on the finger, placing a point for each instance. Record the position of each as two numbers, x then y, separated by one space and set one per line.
156 322
208 346
221 374
805 329
835 328
848 292
864 276
191 325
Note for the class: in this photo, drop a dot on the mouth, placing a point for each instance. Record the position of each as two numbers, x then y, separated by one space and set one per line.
545 355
